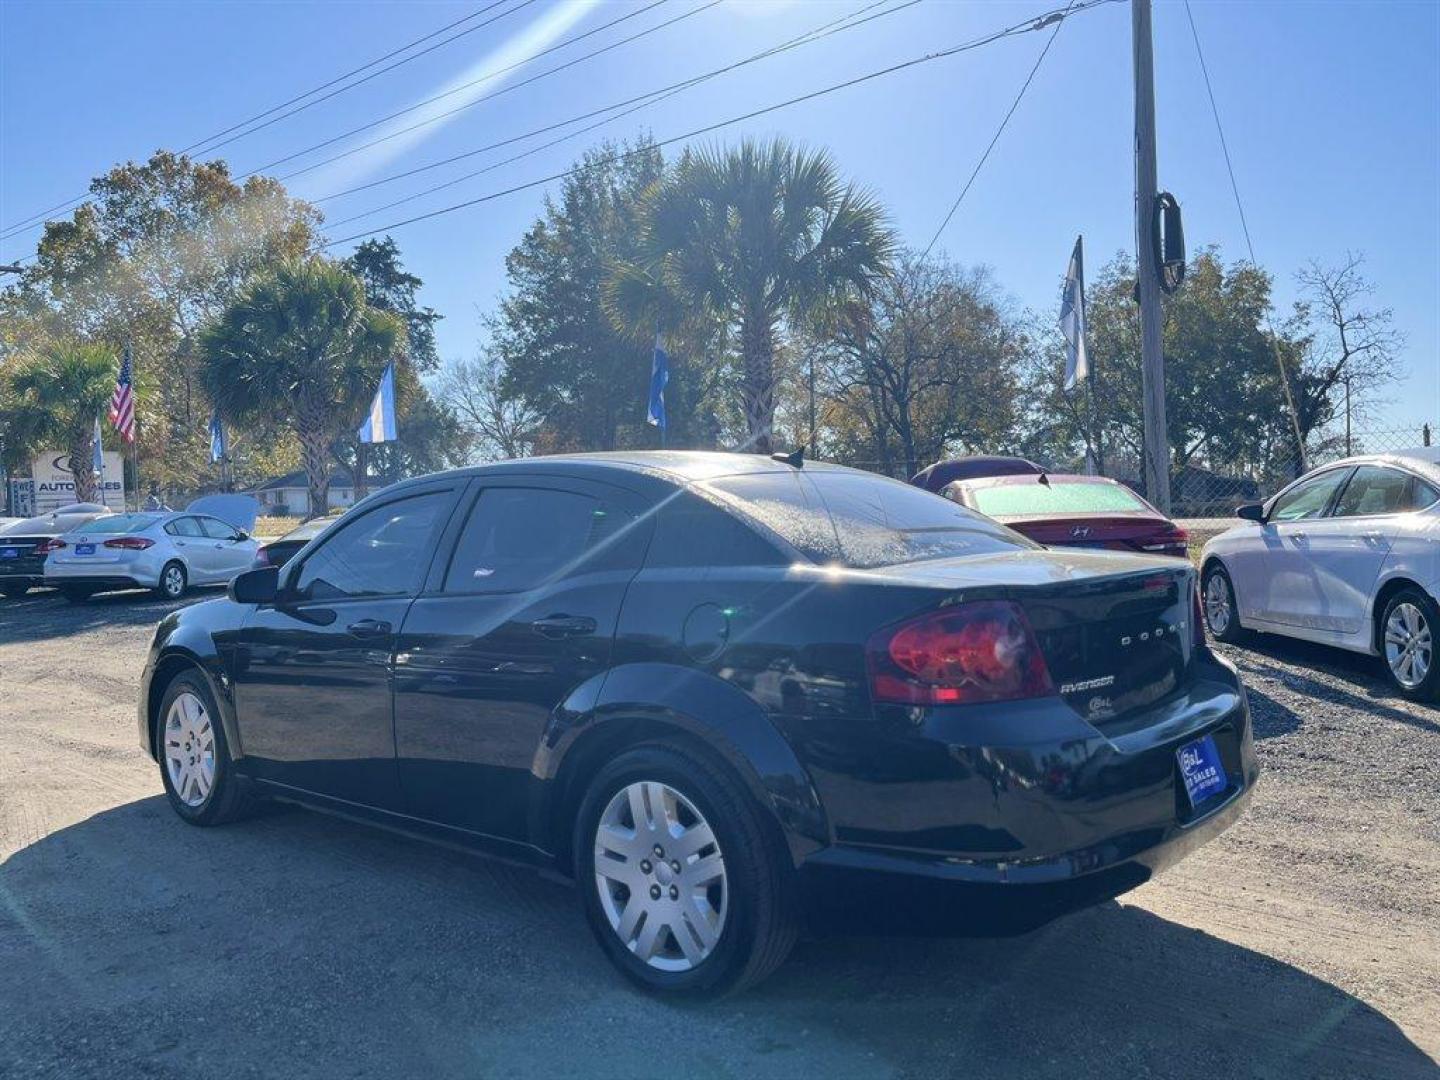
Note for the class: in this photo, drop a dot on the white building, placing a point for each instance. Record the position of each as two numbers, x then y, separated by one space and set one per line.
289 495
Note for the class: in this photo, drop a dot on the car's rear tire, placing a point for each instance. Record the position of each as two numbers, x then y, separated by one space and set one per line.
76 594
1408 633
684 841
14 591
172 581
200 779
1217 601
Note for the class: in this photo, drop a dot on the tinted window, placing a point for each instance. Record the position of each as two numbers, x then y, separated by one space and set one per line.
1309 498
217 529
863 521
693 532
1056 497
521 538
185 526
1374 490
383 552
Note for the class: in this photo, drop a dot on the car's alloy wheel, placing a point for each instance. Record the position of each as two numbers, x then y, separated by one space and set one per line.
189 749
172 581
1217 605
1409 644
660 875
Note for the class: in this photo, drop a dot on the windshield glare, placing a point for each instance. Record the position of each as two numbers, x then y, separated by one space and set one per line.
863 521
119 523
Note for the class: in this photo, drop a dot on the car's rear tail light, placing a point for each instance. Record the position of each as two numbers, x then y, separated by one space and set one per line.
47 546
982 651
262 556
130 543
1173 541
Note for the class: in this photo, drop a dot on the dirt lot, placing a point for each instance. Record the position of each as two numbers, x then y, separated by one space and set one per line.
1304 942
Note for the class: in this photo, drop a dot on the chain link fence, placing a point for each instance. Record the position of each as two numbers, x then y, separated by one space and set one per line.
1209 488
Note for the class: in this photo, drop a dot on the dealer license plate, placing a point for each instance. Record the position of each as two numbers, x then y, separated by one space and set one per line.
9 553
1201 769
84 549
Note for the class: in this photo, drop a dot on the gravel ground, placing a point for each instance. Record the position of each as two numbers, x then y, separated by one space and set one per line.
1304 942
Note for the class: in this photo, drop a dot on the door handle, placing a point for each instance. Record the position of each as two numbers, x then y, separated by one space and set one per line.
563 626
368 628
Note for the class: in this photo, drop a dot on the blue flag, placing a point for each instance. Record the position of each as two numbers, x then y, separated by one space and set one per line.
97 458
659 376
217 438
379 425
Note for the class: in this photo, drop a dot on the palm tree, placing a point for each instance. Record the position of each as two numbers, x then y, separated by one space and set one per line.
300 345
757 238
57 393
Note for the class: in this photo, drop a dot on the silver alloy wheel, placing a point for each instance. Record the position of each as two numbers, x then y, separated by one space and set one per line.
173 580
190 749
1409 645
661 876
1217 604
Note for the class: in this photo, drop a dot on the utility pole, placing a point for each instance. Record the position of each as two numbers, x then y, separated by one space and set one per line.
1348 451
1152 357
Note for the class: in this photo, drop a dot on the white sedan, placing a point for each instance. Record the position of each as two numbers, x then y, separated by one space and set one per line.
207 543
1348 555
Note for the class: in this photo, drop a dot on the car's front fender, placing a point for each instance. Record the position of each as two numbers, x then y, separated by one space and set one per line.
187 640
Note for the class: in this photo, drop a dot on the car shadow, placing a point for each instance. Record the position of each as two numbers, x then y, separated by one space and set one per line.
305 945
46 614
1354 679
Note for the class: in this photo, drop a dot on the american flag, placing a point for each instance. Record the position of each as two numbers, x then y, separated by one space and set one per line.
122 402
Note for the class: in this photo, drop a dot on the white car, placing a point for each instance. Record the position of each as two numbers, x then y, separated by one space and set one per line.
1348 555
207 543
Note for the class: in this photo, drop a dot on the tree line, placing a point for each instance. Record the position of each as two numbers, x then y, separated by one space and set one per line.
790 311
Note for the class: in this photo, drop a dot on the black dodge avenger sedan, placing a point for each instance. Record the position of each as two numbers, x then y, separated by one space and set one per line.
732 697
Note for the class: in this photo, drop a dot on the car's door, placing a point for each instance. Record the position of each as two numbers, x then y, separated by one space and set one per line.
231 551
313 671
1345 550
523 612
1274 580
193 546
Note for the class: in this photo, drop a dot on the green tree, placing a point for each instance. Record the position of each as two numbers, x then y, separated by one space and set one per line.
56 394
154 255
389 287
300 345
762 238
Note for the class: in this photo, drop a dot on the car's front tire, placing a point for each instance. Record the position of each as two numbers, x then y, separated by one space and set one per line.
683 884
172 581
1222 615
14 591
1408 631
195 766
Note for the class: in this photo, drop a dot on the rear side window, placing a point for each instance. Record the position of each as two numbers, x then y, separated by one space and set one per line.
1375 490
383 552
693 532
185 526
1056 497
523 538
861 521
1422 494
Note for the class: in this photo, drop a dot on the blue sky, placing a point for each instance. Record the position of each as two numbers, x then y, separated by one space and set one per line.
1332 111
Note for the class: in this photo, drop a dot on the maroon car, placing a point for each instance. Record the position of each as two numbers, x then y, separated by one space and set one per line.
1062 510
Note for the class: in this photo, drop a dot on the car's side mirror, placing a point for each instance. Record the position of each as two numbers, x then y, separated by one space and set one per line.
1251 512
241 535
258 586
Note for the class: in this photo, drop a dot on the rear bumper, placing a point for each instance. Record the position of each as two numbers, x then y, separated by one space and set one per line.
96 581
116 575
1002 836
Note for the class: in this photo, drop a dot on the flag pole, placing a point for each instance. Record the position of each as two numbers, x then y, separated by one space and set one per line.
135 441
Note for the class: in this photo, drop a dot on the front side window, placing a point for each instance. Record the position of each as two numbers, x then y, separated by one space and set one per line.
383 552
863 521
1374 490
218 530
1309 498
522 538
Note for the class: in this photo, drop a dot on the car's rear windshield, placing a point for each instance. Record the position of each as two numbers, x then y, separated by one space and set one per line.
1056 497
119 523
862 521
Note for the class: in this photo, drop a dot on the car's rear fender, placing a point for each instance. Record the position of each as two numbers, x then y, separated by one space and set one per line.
640 701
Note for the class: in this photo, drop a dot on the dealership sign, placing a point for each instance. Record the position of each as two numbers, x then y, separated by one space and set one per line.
54 487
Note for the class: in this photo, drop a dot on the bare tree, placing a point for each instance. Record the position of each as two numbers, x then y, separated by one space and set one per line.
1348 341
502 426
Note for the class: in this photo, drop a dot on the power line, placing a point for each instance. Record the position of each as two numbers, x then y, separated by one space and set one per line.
1059 22
475 82
1245 229
1018 28
209 144
642 101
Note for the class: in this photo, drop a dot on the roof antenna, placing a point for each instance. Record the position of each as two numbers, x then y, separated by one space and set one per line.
795 459
1044 479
